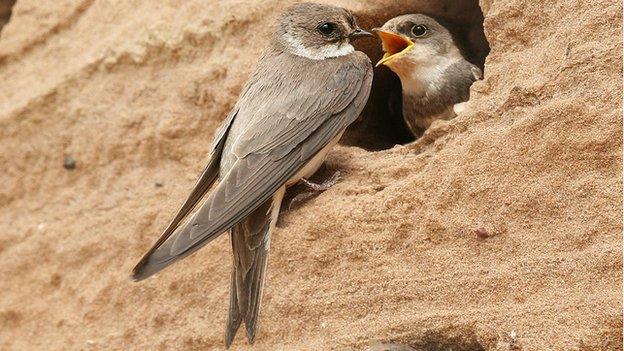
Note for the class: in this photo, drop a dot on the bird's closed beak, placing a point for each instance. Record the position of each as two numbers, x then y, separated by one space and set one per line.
358 33
394 45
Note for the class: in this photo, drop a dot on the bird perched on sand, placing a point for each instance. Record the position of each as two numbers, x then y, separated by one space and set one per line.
435 77
308 86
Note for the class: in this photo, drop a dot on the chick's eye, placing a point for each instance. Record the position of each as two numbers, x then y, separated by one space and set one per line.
419 30
326 28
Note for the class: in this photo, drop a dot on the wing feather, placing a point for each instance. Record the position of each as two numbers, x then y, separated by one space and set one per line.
205 181
278 140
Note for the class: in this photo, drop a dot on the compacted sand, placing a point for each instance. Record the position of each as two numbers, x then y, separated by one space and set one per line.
499 230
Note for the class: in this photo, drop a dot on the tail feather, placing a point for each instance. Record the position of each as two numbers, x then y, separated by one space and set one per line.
250 246
234 316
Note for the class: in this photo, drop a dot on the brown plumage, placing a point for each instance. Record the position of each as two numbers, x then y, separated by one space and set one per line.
308 86
434 74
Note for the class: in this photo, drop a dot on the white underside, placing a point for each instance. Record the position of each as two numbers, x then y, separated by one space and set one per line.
309 169
313 165
427 77
460 107
422 68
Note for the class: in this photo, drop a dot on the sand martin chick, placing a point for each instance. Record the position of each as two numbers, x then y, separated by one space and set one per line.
435 76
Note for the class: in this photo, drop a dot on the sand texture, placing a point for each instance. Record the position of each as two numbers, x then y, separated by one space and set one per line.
499 230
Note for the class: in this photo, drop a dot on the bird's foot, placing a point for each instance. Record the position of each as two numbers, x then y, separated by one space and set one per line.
326 184
316 189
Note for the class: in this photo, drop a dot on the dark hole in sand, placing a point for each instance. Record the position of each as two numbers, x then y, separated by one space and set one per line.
381 126
6 7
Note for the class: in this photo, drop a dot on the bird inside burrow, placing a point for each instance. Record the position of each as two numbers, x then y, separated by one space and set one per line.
437 56
435 76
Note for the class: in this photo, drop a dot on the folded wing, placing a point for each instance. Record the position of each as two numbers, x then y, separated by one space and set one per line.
288 120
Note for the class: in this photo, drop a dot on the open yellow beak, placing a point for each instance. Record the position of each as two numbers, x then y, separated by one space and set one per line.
394 45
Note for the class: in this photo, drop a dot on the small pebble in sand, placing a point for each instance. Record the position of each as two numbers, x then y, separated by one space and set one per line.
482 233
69 163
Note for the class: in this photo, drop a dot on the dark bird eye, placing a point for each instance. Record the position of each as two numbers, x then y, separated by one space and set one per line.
419 30
326 28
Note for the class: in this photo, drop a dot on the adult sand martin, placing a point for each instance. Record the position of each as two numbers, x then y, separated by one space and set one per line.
435 77
308 86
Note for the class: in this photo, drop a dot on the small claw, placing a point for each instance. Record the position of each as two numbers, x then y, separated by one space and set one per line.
335 178
315 189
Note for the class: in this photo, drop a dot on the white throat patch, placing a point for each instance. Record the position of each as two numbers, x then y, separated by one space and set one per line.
422 69
423 78
327 51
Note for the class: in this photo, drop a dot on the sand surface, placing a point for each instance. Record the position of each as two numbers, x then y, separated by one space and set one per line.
499 230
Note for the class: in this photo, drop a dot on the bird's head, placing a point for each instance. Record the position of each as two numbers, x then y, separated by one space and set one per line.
414 40
318 31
